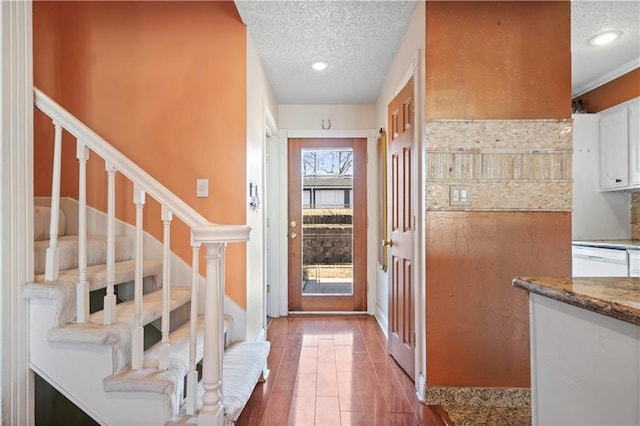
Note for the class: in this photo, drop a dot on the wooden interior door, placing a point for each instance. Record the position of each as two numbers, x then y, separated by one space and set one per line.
317 267
401 286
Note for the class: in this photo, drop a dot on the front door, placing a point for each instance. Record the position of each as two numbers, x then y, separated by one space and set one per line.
401 287
327 225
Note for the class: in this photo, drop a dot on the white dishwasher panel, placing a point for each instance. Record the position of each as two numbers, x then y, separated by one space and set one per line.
634 263
599 262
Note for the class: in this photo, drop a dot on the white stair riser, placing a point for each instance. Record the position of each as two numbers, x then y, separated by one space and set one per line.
79 370
68 249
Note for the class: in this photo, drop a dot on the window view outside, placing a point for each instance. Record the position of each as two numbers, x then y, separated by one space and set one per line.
327 231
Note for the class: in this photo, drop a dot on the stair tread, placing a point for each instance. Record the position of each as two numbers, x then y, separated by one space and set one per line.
149 378
68 248
151 307
242 367
96 332
97 274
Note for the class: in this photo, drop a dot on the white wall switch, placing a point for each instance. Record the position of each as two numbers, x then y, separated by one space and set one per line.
202 188
464 195
459 196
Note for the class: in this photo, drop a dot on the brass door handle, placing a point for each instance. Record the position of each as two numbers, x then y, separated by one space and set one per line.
293 235
387 243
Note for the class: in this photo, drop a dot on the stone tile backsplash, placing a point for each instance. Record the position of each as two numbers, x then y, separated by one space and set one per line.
513 165
635 216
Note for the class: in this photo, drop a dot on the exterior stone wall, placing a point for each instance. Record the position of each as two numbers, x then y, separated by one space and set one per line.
327 236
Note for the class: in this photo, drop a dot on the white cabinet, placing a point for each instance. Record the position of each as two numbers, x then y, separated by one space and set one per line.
614 149
584 366
620 147
634 263
634 143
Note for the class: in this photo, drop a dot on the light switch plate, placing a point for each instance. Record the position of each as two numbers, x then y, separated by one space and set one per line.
459 196
202 188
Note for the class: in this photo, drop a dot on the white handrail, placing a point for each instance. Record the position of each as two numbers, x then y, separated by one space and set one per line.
125 166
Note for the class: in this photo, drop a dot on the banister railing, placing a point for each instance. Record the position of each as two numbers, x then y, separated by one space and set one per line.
123 164
212 236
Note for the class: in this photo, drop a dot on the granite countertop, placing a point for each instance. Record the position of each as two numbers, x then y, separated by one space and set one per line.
617 244
614 297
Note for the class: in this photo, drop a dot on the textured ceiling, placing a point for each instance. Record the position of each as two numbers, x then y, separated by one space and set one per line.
358 39
589 18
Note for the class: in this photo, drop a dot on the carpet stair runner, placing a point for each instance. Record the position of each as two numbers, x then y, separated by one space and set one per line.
124 388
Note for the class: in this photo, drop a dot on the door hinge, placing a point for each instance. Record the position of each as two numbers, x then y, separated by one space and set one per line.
413 224
268 222
269 291
414 339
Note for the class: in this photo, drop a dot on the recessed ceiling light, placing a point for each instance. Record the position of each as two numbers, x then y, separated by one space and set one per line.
319 66
605 38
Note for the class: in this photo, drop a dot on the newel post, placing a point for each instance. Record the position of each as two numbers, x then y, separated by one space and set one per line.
212 412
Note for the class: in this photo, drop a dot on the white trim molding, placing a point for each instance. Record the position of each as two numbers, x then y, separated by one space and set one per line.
606 78
16 208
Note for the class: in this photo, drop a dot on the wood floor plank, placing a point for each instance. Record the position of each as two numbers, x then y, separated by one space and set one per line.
333 370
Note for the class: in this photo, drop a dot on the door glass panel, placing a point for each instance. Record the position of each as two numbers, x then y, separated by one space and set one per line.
327 216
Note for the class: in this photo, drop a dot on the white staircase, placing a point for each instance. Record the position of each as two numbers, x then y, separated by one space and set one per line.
93 296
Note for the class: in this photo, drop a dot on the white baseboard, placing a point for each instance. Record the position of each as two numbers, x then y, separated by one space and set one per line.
239 315
421 388
262 335
381 317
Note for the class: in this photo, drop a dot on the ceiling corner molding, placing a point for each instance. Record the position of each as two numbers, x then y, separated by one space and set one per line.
606 78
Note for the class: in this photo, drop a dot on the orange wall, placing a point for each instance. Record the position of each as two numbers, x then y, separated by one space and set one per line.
619 90
477 323
491 60
165 83
498 59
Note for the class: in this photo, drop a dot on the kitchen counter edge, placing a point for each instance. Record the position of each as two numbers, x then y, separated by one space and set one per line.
618 298
614 244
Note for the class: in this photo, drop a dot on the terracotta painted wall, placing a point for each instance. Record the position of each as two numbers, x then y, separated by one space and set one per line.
165 83
488 61
617 91
498 59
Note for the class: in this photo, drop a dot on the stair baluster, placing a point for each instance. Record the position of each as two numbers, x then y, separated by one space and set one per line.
192 376
137 335
52 262
212 412
110 297
167 216
221 275
82 295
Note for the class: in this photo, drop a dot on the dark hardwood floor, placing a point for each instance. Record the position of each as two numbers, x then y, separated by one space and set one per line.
334 371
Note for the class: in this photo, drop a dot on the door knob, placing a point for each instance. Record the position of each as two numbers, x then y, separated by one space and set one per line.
387 243
293 235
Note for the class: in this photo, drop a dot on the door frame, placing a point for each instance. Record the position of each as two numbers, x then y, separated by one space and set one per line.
16 209
309 303
270 210
279 289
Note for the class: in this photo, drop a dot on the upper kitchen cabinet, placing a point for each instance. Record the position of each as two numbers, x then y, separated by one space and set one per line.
620 147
